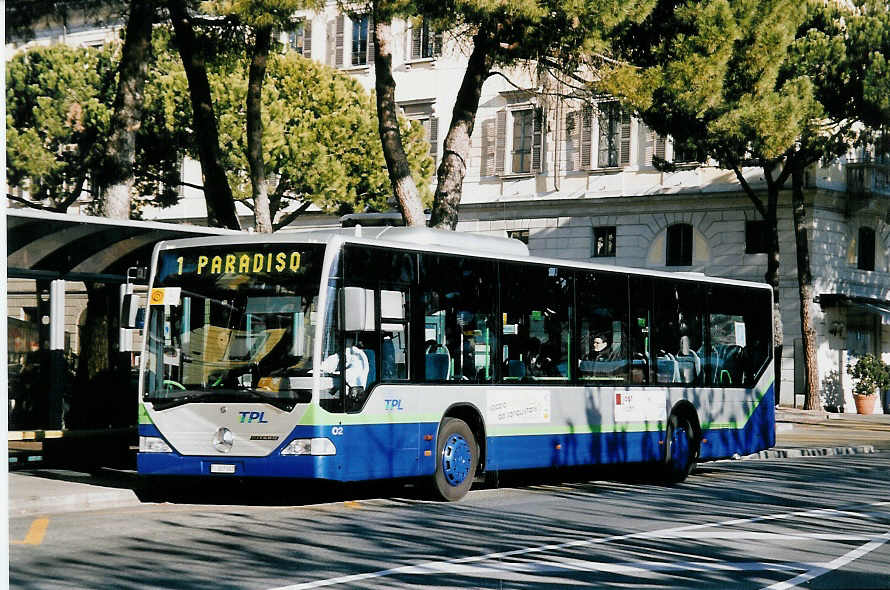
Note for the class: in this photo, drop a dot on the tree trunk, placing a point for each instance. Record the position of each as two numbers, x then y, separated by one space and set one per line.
217 192
121 148
91 393
456 149
805 288
256 74
403 186
772 278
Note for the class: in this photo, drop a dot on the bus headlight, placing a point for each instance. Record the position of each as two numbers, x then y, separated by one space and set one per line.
153 444
310 446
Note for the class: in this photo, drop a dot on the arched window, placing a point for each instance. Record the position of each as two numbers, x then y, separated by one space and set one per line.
866 254
679 245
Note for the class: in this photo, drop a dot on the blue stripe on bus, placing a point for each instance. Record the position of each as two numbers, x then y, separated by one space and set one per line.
372 451
377 451
759 432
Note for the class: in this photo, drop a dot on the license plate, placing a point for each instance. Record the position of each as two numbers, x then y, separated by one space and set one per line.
221 468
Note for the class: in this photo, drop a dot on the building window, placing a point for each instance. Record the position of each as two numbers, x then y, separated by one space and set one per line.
866 253
518 234
679 245
431 132
425 44
756 237
614 136
604 241
360 40
300 39
518 152
687 154
523 131
422 112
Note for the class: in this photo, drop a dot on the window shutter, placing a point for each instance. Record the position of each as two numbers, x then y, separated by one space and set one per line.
307 38
338 52
500 142
624 153
660 147
371 36
648 136
571 135
486 167
437 44
416 41
434 138
538 140
586 136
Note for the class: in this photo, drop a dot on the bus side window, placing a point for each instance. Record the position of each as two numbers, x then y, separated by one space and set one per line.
459 310
602 313
678 335
537 316
740 334
640 327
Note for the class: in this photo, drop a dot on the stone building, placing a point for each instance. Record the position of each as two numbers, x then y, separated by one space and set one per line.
577 181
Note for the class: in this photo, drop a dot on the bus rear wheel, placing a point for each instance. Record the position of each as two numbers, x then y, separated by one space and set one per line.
457 455
680 450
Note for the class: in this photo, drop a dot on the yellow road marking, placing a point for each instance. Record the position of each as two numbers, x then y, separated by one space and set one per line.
35 533
352 504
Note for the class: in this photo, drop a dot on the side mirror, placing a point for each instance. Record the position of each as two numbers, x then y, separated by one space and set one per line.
358 305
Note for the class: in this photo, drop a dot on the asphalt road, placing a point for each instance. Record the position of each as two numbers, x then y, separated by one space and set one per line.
819 522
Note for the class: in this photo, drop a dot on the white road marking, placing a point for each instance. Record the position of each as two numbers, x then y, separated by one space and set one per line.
832 565
463 566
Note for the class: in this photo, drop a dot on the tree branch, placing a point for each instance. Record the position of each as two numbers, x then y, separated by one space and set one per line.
30 204
290 217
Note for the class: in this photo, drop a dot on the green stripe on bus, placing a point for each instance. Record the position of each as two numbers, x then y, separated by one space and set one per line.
144 418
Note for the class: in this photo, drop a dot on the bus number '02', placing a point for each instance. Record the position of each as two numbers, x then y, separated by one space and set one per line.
337 430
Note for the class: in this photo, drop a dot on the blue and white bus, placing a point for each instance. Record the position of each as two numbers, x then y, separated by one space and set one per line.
408 352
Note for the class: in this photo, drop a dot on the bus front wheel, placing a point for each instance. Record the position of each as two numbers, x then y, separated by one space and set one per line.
680 450
457 455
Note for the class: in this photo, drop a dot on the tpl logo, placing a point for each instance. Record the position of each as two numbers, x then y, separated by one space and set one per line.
251 417
393 404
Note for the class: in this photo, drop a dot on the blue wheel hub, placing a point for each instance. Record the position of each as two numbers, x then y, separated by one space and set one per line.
456 459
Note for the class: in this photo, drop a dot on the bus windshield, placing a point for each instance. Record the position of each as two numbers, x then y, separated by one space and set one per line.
233 323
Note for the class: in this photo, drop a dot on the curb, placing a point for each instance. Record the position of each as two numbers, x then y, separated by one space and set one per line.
73 503
810 452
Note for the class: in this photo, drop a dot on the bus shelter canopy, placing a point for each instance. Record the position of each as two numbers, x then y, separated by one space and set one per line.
46 245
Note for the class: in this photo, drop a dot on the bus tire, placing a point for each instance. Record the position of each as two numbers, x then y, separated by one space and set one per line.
680 449
457 455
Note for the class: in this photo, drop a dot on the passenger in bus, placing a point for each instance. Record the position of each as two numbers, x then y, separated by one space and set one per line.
540 360
599 350
688 361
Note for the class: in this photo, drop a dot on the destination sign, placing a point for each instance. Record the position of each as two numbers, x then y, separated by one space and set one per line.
239 263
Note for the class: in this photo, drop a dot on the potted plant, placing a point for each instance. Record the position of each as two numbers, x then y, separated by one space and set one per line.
871 375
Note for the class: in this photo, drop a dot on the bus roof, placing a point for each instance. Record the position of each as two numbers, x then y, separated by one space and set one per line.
425 239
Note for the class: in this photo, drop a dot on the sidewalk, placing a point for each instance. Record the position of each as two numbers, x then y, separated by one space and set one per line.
798 434
801 433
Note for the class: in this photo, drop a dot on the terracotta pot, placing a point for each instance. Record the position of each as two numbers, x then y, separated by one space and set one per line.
865 404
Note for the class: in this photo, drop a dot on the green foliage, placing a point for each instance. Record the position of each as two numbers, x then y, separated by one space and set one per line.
320 139
709 76
58 102
871 374
566 31
259 13
741 79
